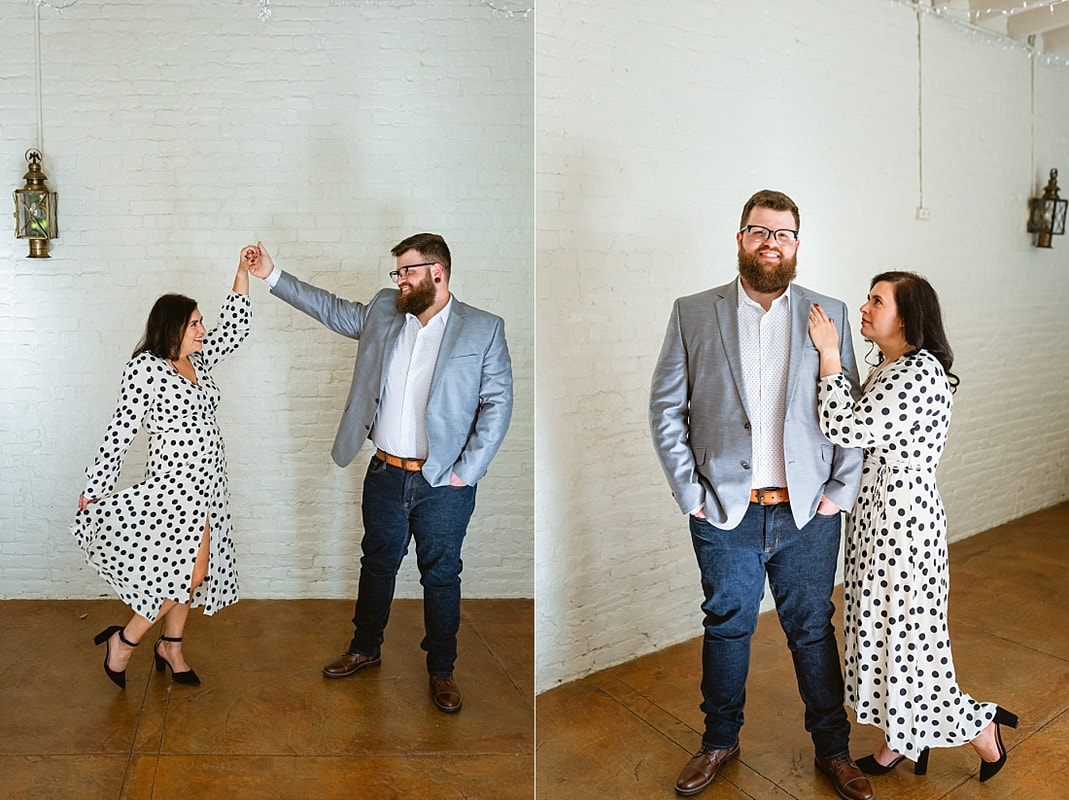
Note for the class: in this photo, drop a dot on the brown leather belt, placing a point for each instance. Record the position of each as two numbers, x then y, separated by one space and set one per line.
410 464
769 497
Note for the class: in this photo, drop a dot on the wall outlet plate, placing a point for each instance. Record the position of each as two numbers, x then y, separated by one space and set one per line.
923 213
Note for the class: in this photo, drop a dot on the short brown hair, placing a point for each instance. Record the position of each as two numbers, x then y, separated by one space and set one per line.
767 198
429 245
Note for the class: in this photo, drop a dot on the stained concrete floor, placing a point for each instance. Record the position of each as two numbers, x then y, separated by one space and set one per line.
626 732
264 723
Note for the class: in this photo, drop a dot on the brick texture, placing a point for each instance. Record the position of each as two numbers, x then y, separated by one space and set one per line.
655 123
177 132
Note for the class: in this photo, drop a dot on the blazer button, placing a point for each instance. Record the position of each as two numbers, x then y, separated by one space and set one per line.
746 426
745 464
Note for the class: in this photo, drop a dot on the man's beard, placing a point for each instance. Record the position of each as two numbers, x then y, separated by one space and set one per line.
418 299
762 280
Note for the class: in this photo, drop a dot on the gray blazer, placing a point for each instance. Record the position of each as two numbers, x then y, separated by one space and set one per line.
470 401
700 421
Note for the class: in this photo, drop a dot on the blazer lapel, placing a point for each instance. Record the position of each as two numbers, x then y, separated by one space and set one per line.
390 347
800 305
453 328
727 316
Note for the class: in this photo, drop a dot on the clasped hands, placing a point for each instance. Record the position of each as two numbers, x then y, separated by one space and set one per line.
256 260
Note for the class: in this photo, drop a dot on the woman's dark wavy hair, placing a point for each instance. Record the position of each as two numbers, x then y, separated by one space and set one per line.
922 319
166 326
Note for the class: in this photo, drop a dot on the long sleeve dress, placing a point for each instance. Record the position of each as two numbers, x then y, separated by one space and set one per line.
899 671
144 540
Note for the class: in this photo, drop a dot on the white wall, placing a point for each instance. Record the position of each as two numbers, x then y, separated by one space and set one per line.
177 132
655 124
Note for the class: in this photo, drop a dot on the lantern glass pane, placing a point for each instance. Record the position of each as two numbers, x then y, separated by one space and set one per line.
1041 216
1058 223
36 215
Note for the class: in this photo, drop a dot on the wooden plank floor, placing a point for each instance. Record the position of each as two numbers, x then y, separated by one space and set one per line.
264 723
626 732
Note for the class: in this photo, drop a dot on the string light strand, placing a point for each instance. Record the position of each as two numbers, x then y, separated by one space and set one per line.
988 36
508 13
58 7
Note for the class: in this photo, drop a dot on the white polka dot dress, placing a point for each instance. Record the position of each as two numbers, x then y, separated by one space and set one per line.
899 671
144 540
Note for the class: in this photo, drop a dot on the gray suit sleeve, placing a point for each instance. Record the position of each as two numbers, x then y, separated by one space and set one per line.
670 418
341 316
495 410
845 479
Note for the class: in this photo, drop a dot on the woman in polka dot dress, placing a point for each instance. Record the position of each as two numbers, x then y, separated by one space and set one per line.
899 670
165 543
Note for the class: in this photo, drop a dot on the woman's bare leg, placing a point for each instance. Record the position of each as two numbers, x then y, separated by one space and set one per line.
175 621
135 629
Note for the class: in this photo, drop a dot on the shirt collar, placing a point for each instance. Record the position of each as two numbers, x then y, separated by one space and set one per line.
441 318
745 299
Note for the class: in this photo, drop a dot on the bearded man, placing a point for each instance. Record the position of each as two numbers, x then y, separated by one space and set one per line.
432 390
733 414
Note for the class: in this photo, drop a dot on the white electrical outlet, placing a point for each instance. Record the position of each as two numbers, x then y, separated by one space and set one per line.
923 213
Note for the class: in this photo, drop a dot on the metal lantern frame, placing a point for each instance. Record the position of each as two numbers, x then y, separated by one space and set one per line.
36 218
1046 214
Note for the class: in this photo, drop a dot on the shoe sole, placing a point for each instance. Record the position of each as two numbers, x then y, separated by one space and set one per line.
704 786
365 665
447 709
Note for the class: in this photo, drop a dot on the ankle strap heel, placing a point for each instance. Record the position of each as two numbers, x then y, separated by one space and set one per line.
124 640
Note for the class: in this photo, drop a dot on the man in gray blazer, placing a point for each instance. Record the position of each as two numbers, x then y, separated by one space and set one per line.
432 390
734 421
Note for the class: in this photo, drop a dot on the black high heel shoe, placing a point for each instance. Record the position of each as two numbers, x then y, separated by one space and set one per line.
187 678
988 769
870 766
118 678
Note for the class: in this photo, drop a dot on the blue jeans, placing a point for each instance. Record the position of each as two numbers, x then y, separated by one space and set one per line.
800 565
398 506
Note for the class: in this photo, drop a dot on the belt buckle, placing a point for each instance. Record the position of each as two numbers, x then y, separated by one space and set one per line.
761 495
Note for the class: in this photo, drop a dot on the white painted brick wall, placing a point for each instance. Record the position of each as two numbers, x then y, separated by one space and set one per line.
655 124
177 132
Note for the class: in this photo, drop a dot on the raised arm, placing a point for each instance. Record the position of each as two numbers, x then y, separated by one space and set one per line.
341 316
234 317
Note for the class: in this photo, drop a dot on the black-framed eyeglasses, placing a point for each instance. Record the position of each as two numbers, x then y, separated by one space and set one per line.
782 235
402 272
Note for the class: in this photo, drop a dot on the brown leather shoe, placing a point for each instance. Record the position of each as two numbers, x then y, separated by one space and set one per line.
445 694
349 663
849 781
700 770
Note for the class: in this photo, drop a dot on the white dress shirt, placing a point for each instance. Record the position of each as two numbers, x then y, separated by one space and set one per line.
765 344
401 425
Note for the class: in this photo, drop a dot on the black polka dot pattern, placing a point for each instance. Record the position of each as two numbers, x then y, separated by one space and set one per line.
144 540
899 670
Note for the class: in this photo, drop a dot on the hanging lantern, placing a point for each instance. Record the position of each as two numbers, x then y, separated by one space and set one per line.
35 208
1046 214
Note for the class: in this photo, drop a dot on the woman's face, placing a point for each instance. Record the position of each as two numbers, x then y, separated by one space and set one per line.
880 322
193 338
